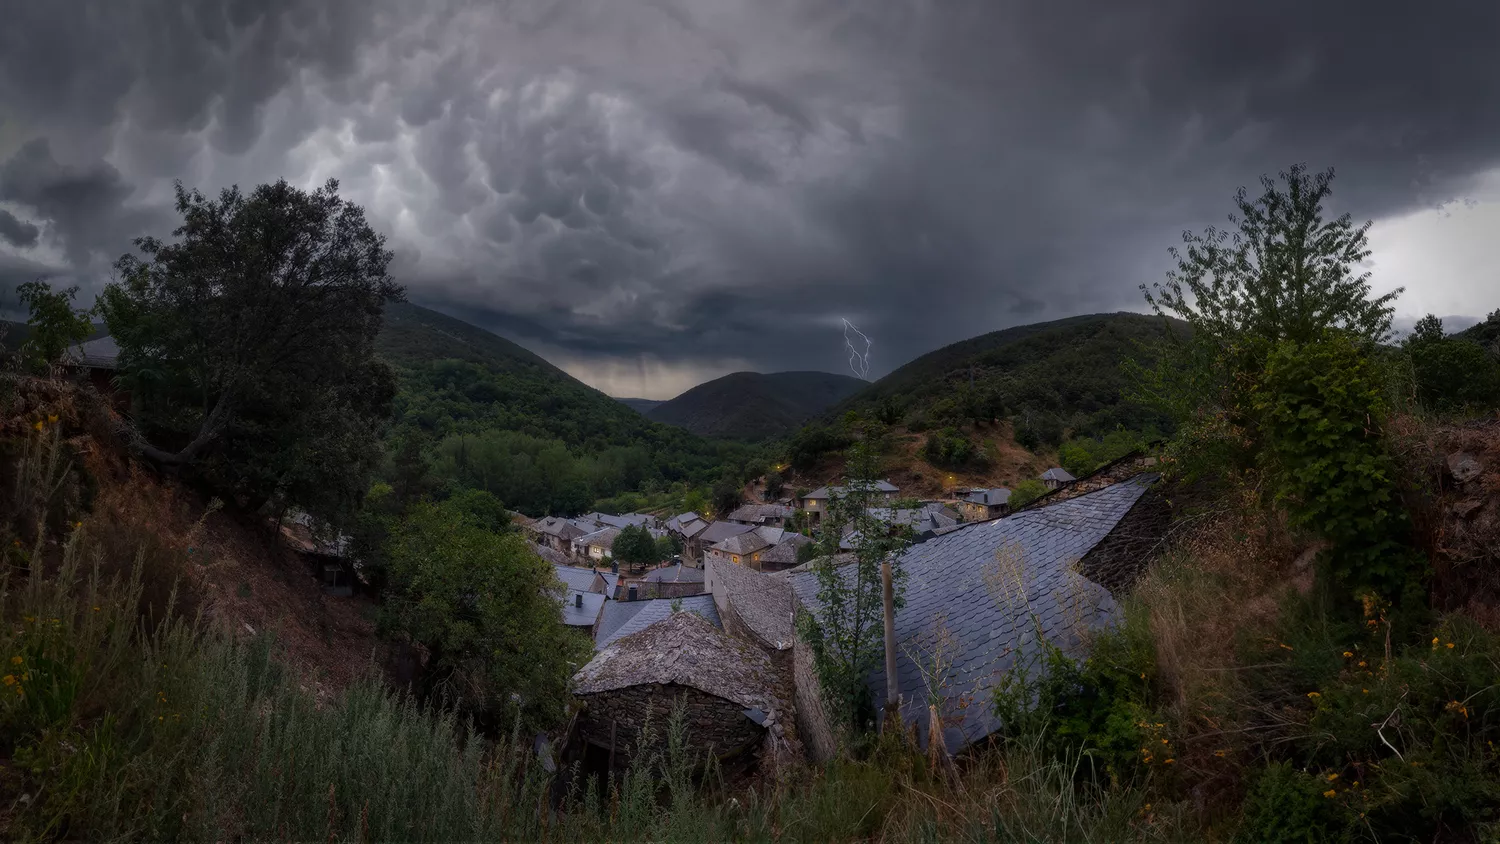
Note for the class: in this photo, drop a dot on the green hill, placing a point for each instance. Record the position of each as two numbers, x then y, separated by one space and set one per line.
752 405
640 405
507 421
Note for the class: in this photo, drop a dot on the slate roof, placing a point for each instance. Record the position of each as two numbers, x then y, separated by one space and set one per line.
675 574
989 497
686 650
1055 474
561 528
720 531
574 577
987 586
745 543
603 538
762 601
621 521
622 618
756 513
585 616
829 491
785 551
100 353
554 557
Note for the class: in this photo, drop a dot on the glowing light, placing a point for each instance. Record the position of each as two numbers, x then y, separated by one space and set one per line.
859 363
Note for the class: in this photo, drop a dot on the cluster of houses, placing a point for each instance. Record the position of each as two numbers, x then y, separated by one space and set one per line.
983 595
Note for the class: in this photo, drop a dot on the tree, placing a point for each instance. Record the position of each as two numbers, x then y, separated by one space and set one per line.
249 344
695 502
846 635
1283 275
726 498
1451 374
775 483
486 609
634 546
1026 492
668 546
55 325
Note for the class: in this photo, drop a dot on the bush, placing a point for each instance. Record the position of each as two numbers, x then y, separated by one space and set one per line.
950 449
1026 492
1035 430
1287 806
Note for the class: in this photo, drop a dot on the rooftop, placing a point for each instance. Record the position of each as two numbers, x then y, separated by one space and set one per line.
980 593
829 491
762 601
99 353
685 650
989 497
622 618
720 531
575 615
760 512
675 574
1056 474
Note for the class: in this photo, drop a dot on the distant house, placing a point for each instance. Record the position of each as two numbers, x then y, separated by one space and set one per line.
587 580
598 545
623 520
983 504
1056 478
711 535
773 515
783 555
584 595
764 548
677 581
815 503
557 533
685 527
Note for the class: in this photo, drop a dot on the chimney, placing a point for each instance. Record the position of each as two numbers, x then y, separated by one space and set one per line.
632 591
578 600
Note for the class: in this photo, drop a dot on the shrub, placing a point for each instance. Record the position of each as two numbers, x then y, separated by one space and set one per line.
1026 492
950 449
1287 806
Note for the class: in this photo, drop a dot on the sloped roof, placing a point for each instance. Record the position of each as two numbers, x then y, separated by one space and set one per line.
745 543
830 491
603 538
551 556
989 497
720 531
99 353
621 521
622 618
586 615
762 601
574 577
1056 474
760 512
561 528
675 574
979 588
785 551
686 650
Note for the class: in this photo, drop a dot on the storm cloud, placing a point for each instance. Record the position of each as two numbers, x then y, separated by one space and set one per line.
655 192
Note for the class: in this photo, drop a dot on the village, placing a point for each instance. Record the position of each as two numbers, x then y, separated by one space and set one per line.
714 626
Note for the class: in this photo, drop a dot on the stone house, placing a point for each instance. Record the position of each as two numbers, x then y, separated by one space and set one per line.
712 534
557 533
762 515
984 504
783 555
598 545
1056 478
677 581
978 596
815 503
727 687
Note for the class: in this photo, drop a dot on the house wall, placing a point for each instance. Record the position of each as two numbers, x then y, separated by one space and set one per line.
712 721
813 725
672 589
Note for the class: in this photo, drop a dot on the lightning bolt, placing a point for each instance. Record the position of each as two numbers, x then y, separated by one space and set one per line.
859 363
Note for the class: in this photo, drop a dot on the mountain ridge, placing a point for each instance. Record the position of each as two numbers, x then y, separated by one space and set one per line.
755 405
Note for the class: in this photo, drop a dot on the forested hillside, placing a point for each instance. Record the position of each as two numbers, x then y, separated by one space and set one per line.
639 405
491 415
753 405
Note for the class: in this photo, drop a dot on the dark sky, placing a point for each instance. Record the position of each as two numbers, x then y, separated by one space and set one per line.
654 192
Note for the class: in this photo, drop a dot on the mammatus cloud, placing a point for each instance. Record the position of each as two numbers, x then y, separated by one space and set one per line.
660 191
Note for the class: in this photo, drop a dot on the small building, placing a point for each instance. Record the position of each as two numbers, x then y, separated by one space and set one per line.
726 686
1056 478
677 581
557 533
783 555
984 504
712 534
586 580
598 545
581 610
815 503
762 515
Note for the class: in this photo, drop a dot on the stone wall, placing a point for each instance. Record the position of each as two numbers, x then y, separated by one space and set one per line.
712 721
1118 561
813 726
667 589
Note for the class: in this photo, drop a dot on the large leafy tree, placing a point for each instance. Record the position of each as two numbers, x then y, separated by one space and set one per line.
1451 374
485 608
635 546
248 342
55 325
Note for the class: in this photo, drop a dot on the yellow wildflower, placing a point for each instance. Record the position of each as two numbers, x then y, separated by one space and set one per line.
1361 663
1348 654
1330 793
38 425
1332 777
1434 641
1168 761
1450 645
1314 695
1285 645
1219 753
96 609
51 418
16 660
9 679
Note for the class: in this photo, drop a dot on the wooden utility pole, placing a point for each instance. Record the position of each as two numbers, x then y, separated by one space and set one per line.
892 692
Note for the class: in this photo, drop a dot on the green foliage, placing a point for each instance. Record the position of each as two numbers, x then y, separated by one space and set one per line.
1026 492
1452 375
726 499
668 546
248 344
486 609
1284 274
1318 403
950 449
1287 806
775 484
54 324
1036 430
754 405
846 635
635 546
813 442
1083 456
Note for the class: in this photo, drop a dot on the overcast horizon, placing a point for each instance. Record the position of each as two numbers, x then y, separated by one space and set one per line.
652 194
